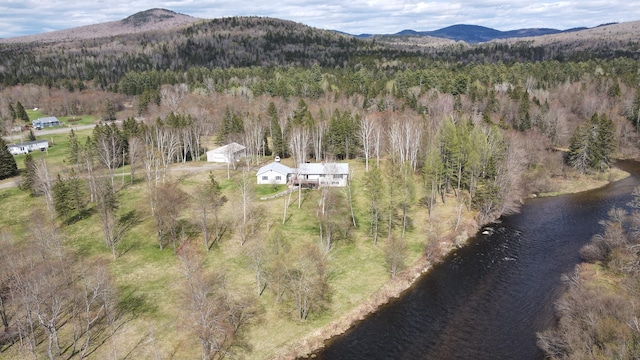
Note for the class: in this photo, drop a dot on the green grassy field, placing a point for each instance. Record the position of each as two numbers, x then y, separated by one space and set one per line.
149 280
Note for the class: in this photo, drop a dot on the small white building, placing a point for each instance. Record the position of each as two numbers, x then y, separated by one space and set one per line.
227 154
314 175
274 173
45 122
28 146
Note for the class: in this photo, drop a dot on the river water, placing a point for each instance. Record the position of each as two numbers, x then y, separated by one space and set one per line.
488 299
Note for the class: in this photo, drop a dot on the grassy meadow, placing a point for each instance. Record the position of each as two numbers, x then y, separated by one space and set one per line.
151 286
149 280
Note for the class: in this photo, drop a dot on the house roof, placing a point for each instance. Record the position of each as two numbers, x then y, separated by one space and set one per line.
323 168
276 167
27 143
234 147
48 119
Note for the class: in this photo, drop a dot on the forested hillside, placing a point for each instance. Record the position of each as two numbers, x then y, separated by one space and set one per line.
140 247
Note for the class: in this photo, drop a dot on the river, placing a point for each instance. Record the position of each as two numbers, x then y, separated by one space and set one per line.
488 299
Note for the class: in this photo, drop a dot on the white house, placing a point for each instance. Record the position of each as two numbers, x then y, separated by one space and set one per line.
274 173
28 146
45 122
227 154
321 174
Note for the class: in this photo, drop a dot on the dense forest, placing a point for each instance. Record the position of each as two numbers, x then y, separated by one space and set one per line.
444 139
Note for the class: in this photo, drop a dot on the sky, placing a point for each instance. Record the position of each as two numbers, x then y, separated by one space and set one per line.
25 17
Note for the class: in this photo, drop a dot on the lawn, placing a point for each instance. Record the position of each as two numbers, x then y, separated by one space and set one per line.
151 285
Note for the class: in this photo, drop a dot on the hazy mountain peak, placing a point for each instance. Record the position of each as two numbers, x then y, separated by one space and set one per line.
150 16
148 20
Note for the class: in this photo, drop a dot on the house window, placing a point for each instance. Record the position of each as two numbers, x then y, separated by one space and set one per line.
337 176
265 178
278 177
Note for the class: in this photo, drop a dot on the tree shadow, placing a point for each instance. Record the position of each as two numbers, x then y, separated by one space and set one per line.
125 223
82 214
132 305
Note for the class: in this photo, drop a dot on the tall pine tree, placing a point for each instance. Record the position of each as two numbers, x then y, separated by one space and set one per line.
21 113
8 167
277 136
593 145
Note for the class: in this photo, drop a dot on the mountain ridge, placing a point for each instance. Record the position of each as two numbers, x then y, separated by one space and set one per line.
474 34
157 19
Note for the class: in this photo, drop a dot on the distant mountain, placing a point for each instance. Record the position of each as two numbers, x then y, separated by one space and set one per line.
474 34
144 21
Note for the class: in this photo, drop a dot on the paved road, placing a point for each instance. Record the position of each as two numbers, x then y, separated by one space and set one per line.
61 130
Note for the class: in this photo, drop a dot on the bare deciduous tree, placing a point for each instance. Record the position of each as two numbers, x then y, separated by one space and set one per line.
307 281
216 318
170 202
107 204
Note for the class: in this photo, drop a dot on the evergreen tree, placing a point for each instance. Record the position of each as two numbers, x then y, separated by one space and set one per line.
68 195
578 155
634 113
29 175
605 142
342 139
109 110
73 148
232 127
265 146
593 144
8 167
12 112
277 137
21 113
62 197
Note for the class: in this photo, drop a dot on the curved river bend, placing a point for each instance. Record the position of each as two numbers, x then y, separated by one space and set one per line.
488 299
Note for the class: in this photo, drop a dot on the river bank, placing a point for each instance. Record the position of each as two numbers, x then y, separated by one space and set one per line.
394 288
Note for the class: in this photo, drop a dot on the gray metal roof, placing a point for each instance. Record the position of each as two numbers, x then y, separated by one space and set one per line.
277 167
323 168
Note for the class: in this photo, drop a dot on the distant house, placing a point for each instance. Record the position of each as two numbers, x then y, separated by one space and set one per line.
314 175
227 154
274 173
45 122
27 147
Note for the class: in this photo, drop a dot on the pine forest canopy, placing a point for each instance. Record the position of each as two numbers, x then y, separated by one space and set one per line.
265 45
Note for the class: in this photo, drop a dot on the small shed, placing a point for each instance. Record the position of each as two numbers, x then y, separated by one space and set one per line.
227 154
321 174
28 146
274 173
45 122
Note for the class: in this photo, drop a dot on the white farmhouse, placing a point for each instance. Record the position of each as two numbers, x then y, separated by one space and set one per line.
274 173
227 154
314 175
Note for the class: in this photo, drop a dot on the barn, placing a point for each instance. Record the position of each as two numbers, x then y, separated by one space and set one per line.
227 154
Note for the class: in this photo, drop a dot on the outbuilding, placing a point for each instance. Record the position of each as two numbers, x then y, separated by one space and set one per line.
227 154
